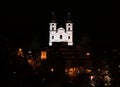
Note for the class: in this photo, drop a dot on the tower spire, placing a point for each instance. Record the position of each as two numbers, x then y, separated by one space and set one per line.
53 17
68 17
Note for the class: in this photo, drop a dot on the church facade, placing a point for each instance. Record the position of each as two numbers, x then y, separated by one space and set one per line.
60 34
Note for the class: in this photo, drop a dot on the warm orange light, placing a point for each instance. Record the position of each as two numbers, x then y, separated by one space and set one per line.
43 55
20 53
30 61
20 49
88 70
71 71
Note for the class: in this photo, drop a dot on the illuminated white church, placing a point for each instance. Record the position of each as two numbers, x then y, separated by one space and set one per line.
60 34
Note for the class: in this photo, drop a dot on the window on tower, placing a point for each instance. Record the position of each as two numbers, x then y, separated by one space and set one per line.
60 36
52 37
69 28
68 37
52 28
68 24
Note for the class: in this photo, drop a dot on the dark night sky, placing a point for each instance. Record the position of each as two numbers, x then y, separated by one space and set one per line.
30 23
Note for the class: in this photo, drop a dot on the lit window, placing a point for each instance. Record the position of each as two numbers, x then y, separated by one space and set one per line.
60 36
43 55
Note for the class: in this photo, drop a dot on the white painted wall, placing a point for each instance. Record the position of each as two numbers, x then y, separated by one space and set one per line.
61 34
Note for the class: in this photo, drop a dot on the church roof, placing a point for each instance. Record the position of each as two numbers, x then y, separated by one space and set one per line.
61 29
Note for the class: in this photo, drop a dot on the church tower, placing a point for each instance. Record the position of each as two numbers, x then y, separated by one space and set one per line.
61 34
53 27
69 30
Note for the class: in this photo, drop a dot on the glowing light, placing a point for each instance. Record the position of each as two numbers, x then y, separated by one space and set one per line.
107 80
106 72
29 51
14 72
71 71
98 69
52 69
119 66
75 71
43 55
20 53
20 49
87 54
92 84
31 62
34 62
91 77
88 70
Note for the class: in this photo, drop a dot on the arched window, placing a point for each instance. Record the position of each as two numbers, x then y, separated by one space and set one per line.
52 28
68 37
69 28
68 24
60 36
52 37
